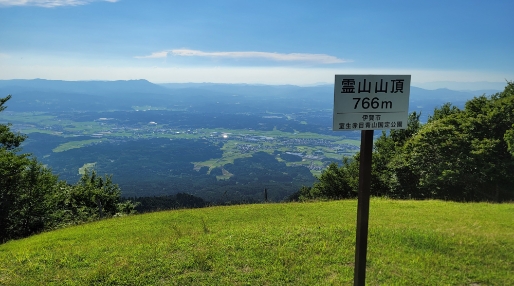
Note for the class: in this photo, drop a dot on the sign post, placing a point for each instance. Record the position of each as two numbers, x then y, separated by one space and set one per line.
366 103
361 246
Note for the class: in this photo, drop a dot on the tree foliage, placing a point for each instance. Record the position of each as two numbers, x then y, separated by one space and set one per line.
461 155
334 183
8 139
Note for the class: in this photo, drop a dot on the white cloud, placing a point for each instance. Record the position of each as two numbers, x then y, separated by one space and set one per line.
155 55
293 57
49 3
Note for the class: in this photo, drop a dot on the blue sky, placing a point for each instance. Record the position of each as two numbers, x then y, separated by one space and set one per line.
269 42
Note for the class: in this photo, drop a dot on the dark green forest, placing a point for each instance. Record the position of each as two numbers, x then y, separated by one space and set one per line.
459 154
162 167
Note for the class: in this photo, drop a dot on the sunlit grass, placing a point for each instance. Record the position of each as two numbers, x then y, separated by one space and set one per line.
410 243
86 167
76 144
349 142
27 117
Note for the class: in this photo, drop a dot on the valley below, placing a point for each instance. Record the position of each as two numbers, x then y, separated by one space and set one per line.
220 142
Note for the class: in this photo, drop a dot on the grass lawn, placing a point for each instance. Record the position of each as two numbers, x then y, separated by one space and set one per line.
410 243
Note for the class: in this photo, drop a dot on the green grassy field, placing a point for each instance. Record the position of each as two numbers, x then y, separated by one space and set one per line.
410 243
76 144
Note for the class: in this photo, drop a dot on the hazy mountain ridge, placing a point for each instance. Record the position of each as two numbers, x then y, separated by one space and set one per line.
57 95
94 87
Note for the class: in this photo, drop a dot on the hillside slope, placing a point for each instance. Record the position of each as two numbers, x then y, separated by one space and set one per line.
410 243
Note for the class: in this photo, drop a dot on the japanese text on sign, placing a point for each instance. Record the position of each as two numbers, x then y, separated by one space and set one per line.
364 102
348 86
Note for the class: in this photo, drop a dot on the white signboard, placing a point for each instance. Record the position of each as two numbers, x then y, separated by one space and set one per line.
369 102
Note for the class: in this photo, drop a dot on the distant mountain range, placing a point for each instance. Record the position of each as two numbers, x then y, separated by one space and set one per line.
82 87
484 86
57 95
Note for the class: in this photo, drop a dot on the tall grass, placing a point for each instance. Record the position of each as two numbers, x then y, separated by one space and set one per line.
410 243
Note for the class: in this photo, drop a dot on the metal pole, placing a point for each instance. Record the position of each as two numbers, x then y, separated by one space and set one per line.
363 207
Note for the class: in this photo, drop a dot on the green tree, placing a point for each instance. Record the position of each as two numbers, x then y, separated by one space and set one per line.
11 169
436 159
388 178
30 213
445 110
489 124
334 183
509 139
463 154
92 198
24 184
8 139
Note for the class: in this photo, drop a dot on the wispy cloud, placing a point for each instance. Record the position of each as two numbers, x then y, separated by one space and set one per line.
292 57
156 55
49 3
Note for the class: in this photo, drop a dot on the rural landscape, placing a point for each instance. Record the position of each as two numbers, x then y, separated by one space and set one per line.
256 142
170 140
264 181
